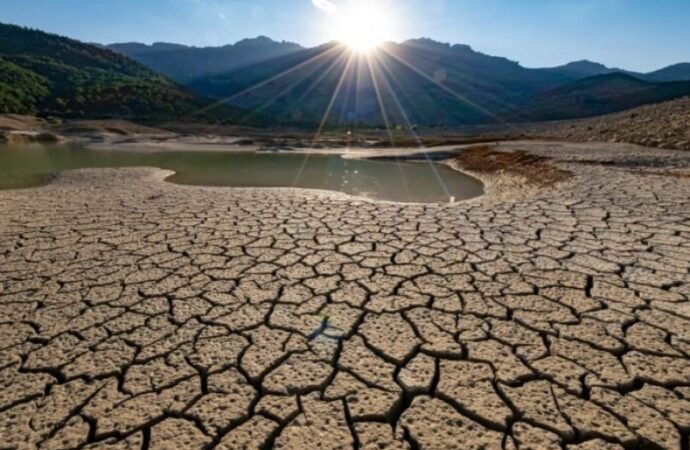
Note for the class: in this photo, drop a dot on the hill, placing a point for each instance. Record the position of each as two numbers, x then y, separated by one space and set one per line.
183 63
45 74
599 95
585 69
665 124
676 72
581 69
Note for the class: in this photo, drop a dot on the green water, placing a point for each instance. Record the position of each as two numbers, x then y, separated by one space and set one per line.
32 165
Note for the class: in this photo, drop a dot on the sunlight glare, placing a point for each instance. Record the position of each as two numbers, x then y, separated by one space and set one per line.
363 26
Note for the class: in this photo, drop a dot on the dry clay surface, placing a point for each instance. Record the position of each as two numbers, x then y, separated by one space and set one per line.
135 314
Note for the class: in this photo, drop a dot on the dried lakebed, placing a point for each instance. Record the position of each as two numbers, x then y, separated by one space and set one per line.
139 314
398 181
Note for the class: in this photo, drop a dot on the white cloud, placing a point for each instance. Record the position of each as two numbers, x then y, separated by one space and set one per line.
222 17
324 5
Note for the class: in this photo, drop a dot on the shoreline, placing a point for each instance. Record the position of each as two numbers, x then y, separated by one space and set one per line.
502 182
347 154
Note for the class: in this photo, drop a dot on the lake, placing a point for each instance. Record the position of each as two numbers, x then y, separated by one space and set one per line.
24 166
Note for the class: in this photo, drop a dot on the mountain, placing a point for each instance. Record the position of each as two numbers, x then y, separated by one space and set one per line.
677 72
46 74
425 82
602 94
183 63
131 49
419 81
582 69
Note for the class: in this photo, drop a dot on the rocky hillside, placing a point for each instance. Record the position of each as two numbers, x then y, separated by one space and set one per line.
665 125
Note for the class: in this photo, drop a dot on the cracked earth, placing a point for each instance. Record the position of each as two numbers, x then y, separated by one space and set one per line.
136 314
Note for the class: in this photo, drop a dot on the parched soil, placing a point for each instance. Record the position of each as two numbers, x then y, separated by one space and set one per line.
534 169
138 314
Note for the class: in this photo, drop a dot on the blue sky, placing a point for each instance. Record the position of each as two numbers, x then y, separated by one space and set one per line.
633 34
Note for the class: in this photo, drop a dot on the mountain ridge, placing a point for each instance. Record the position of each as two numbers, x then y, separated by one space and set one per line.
435 83
443 84
183 63
582 68
671 73
420 81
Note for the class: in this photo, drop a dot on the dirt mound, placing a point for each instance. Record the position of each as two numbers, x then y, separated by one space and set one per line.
534 169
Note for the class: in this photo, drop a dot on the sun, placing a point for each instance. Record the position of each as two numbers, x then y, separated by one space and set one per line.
363 26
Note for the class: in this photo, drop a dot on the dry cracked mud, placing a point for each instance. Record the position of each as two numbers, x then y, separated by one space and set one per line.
135 314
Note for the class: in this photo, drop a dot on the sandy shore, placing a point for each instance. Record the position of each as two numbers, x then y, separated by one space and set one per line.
135 313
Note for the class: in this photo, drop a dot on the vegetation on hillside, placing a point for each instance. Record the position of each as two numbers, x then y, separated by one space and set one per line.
45 74
20 89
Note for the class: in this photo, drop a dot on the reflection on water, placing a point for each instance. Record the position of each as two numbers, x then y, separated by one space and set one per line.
30 165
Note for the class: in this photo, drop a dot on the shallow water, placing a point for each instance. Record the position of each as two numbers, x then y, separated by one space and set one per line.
415 182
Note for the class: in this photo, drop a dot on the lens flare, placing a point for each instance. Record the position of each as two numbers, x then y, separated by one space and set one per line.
363 26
